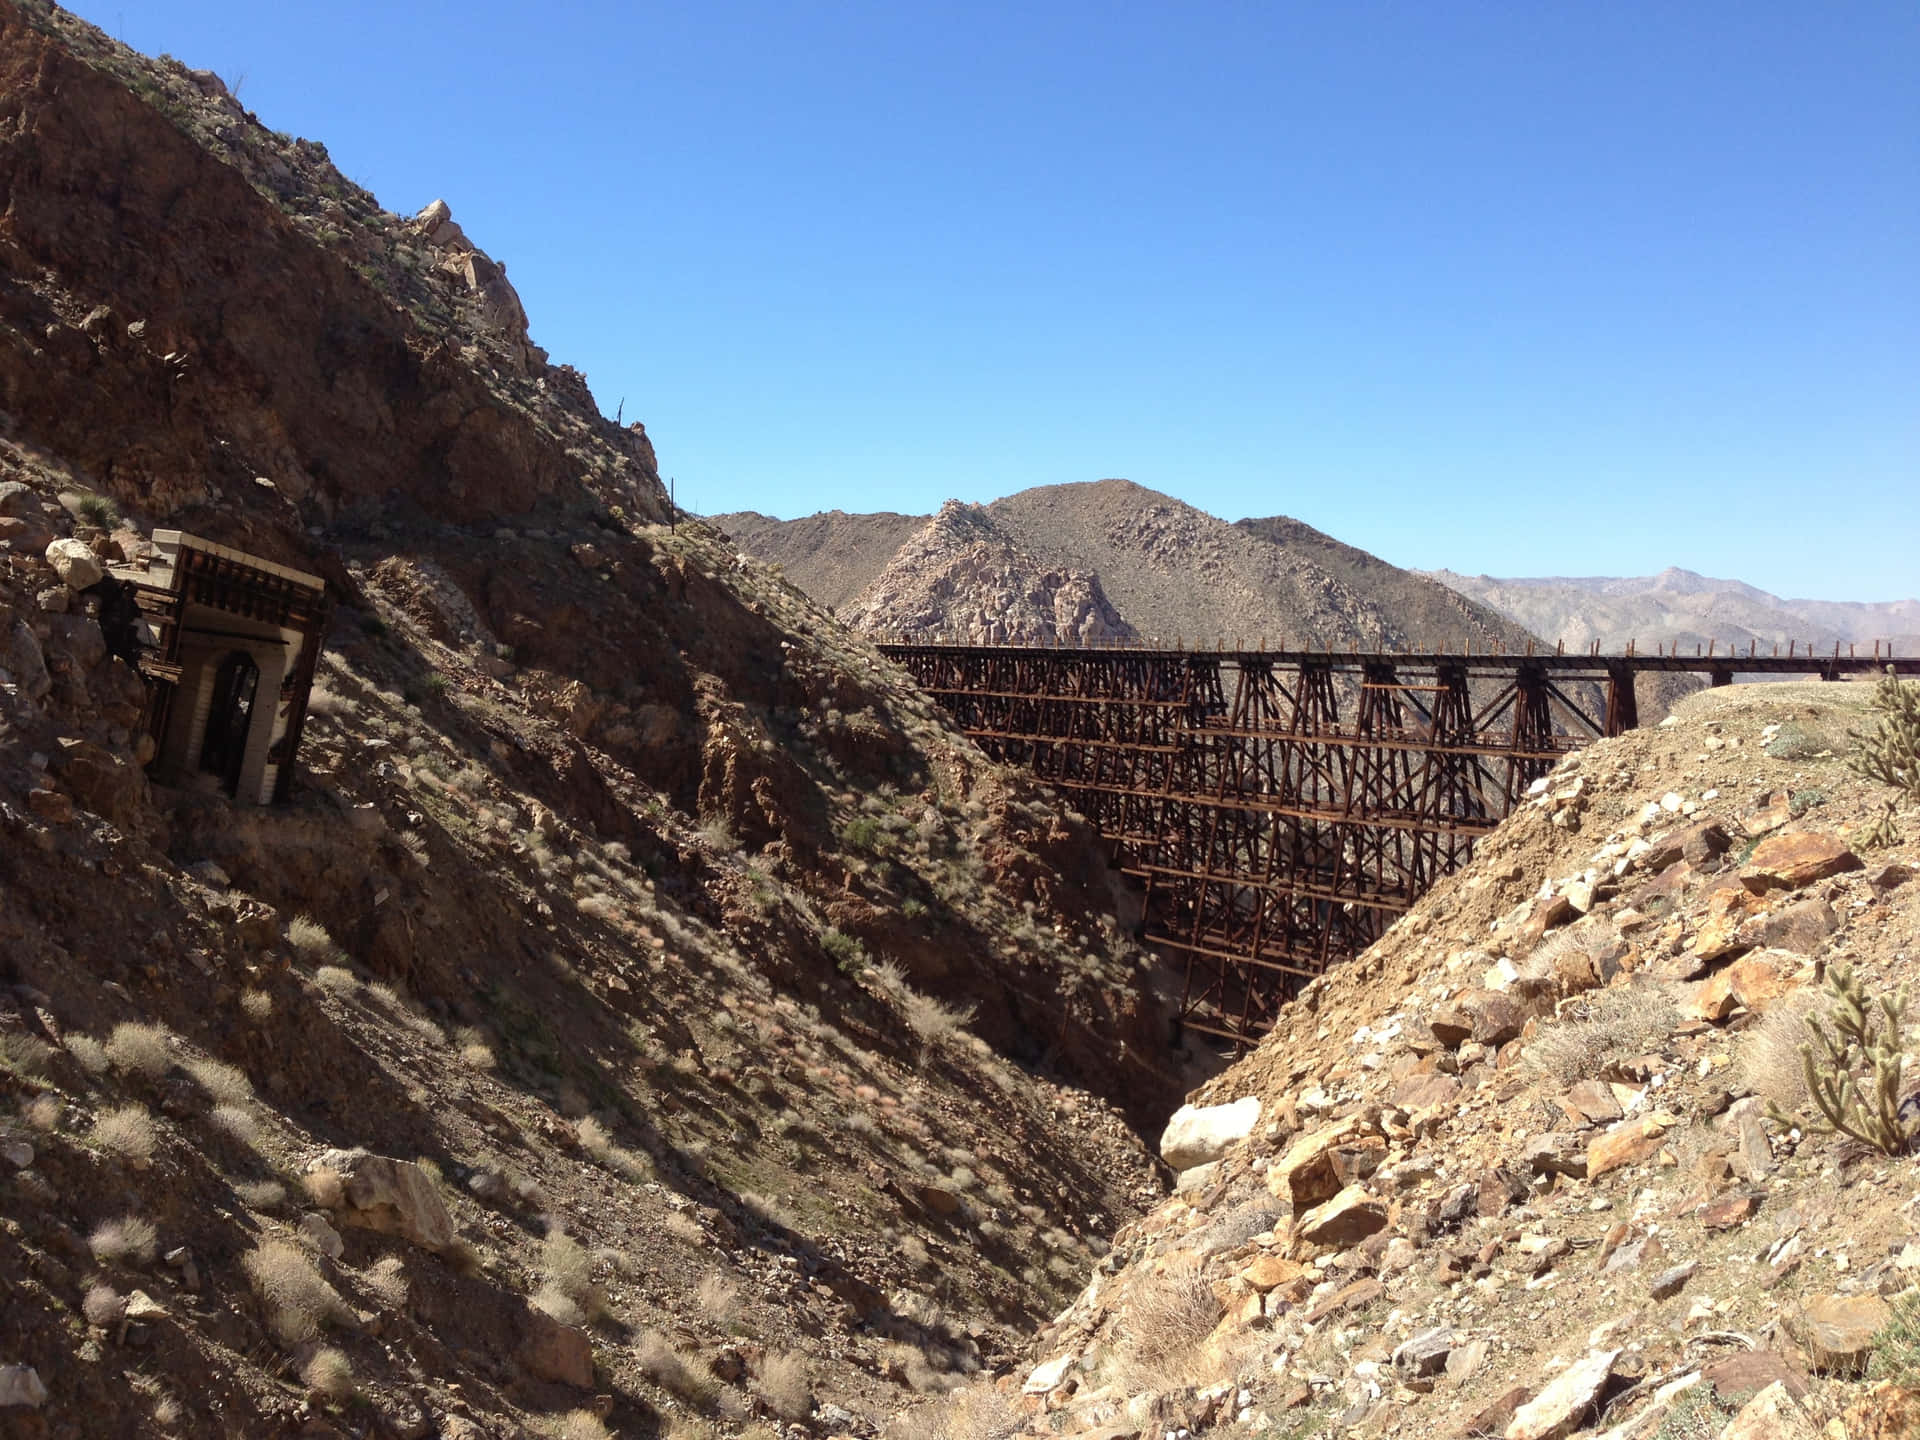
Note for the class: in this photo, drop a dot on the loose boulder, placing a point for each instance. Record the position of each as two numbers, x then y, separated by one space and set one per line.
395 1197
1199 1135
76 565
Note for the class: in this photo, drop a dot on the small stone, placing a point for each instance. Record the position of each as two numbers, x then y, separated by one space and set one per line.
1425 1353
17 1153
1347 1298
1890 876
1048 1374
142 1306
552 1351
1465 1361
1591 1102
1669 1283
315 1230
1729 1212
1738 1378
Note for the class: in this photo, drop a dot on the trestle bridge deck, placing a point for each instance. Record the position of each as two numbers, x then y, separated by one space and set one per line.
1281 808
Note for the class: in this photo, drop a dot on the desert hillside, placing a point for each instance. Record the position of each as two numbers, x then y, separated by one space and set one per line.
1165 570
1544 1161
1680 607
644 1016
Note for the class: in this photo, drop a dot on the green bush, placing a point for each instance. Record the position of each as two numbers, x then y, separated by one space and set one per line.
847 953
861 834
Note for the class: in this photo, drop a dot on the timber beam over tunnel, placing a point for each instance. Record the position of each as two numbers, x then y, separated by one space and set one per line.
1279 809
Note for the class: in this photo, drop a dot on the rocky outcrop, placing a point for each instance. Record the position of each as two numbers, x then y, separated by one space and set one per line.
965 578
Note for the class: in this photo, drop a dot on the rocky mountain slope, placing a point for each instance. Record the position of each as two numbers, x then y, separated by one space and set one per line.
964 574
1541 1163
1680 607
1168 571
646 1018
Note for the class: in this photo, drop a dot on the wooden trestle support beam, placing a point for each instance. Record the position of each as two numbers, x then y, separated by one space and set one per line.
1282 809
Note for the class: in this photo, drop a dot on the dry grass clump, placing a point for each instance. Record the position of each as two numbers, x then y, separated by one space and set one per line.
769 1211
663 1364
1164 1329
261 1194
720 1298
785 1387
88 1053
104 1306
567 1291
336 980
140 1049
595 1140
127 1132
979 1413
43 1112
298 1299
932 1021
328 1372
25 1054
238 1122
326 1188
475 1052
1603 1026
1767 1060
386 1281
227 1084
574 1425
130 1240
308 936
684 1227
256 1005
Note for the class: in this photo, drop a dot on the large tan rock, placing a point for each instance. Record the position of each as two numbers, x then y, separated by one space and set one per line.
1838 1331
76 565
1728 909
1773 1414
1799 927
1800 859
395 1197
1318 1166
1201 1134
1754 981
1346 1219
1628 1143
1557 1410
552 1351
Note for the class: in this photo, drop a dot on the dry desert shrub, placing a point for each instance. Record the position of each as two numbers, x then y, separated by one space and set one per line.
261 1194
1766 1058
720 1298
567 1291
227 1084
336 980
297 1297
104 1306
326 1188
979 1413
386 1281
43 1112
130 1240
310 938
661 1363
256 1005
25 1054
595 1140
684 1228
785 1387
1565 945
1600 1028
238 1122
140 1049
126 1131
932 1021
574 1425
88 1053
328 1372
1165 1326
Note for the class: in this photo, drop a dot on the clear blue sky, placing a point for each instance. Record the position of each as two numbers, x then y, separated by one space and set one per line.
1573 288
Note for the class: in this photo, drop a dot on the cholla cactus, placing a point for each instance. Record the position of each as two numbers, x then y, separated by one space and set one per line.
1852 1067
1890 751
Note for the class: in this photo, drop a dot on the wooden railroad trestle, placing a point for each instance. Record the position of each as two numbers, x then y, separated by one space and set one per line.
1280 809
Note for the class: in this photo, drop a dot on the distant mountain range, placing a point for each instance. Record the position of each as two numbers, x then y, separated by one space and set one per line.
1111 559
1679 607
